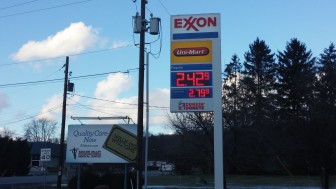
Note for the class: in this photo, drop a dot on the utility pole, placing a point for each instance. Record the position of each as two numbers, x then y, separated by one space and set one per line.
141 93
61 154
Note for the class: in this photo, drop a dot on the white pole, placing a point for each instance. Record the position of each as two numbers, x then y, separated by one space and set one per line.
147 116
218 125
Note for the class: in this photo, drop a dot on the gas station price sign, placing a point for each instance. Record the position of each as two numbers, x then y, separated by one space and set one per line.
193 62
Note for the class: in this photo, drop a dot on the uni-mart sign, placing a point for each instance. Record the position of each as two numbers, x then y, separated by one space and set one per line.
195 70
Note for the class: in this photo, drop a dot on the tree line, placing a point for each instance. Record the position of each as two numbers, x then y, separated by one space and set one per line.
279 114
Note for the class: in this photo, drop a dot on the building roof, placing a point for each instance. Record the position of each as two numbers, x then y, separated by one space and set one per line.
37 146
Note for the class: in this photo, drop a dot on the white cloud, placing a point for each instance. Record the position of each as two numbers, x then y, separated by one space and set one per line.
3 101
119 44
112 90
53 108
74 39
158 100
113 86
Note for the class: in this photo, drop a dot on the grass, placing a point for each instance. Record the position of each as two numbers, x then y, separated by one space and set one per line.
287 181
181 180
241 180
232 180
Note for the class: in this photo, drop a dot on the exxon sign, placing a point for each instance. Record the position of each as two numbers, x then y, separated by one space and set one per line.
194 23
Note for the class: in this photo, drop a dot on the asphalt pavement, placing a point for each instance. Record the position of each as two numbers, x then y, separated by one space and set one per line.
30 180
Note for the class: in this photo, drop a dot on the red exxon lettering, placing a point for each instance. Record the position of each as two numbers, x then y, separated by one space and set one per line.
195 23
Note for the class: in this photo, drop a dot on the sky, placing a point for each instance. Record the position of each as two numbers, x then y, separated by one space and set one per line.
97 35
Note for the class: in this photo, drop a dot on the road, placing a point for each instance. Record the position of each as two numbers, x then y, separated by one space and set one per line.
29 180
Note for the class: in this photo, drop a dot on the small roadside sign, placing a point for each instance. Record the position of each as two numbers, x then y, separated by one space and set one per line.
45 154
122 143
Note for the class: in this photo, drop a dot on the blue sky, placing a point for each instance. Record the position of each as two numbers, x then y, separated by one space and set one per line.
98 37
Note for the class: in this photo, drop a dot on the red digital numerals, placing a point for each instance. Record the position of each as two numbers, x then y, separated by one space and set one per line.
199 93
192 79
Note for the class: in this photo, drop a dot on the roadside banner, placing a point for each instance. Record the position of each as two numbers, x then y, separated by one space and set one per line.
101 143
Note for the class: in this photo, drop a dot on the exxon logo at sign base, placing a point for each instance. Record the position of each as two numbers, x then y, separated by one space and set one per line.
194 23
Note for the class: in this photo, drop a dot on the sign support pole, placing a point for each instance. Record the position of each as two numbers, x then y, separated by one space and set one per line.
218 118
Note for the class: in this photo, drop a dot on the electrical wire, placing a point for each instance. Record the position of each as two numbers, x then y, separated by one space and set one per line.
102 74
70 55
93 98
16 5
165 8
43 9
117 102
19 90
90 107
61 79
30 83
32 116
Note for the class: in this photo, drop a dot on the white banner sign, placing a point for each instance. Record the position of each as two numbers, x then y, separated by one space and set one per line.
101 143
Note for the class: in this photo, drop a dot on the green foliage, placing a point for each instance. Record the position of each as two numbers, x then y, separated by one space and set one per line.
296 75
14 157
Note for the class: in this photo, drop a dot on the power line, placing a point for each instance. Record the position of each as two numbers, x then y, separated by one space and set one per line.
30 83
164 7
44 9
101 74
113 101
91 108
16 5
105 100
61 79
32 116
58 57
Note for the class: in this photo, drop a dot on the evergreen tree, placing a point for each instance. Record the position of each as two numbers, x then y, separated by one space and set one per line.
326 85
14 157
230 91
258 80
324 114
296 76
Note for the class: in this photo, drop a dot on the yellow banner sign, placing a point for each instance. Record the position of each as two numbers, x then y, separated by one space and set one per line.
191 52
122 142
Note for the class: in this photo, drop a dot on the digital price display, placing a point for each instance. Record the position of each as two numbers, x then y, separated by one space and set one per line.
191 79
199 92
195 92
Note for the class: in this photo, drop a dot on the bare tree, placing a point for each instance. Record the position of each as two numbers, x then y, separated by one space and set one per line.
5 132
40 130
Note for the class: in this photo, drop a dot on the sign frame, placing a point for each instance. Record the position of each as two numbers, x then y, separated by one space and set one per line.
195 47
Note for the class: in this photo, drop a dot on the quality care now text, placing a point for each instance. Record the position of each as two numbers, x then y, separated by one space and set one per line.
90 136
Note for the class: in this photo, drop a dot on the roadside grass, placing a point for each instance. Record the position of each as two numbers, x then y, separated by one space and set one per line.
232 181
278 181
240 180
39 187
181 180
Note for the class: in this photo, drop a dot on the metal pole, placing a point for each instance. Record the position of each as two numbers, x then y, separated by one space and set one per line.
79 175
61 154
125 175
147 116
140 94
